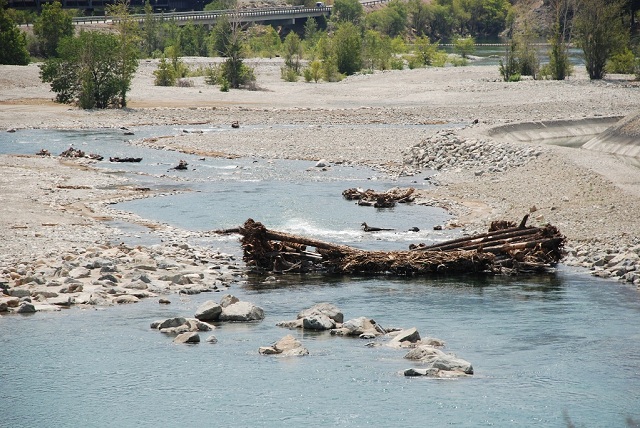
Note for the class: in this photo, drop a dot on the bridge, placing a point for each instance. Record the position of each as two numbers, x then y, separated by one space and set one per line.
270 16
267 16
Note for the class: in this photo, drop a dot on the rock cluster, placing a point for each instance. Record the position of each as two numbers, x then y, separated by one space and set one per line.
107 275
230 308
327 316
623 264
446 149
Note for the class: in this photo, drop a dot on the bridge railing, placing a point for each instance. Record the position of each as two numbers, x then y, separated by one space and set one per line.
238 14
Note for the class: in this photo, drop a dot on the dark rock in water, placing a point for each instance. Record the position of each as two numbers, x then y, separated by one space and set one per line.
26 308
11 130
182 165
164 301
117 159
171 322
318 322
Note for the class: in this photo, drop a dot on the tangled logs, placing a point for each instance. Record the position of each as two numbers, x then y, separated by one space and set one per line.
510 250
386 199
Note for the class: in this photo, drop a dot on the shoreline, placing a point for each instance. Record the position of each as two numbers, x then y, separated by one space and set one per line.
590 196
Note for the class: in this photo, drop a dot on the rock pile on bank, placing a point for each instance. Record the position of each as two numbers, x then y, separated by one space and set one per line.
108 275
446 149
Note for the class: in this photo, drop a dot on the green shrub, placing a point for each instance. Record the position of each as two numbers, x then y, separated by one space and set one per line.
224 85
308 77
288 74
165 75
458 61
212 74
622 62
396 63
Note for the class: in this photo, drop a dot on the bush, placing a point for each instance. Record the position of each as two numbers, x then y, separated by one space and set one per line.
396 63
458 61
622 62
224 85
289 74
212 75
165 74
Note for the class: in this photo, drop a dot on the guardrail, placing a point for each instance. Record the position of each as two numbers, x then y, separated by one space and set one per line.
237 14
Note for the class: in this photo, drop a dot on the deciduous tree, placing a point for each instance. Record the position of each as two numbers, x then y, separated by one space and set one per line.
50 27
13 42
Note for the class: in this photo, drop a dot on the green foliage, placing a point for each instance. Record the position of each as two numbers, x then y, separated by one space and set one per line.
347 46
150 32
127 53
213 75
193 40
165 74
13 41
457 61
390 20
464 46
220 5
479 17
289 74
263 41
224 85
220 37
396 63
347 11
292 52
376 51
425 52
311 31
509 66
19 17
599 33
622 62
87 71
50 27
313 71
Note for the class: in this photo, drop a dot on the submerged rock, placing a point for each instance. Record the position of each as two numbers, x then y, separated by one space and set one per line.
188 337
287 346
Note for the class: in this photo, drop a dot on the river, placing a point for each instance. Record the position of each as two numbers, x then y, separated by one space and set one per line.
545 349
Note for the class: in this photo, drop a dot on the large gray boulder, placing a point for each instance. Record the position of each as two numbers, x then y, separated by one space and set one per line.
328 309
242 311
170 322
318 322
208 311
437 359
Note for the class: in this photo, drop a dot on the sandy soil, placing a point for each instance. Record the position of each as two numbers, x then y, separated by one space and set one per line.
592 197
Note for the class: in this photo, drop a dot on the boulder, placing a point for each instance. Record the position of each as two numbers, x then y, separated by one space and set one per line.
434 372
228 299
242 311
290 324
328 309
188 337
126 298
318 322
170 322
4 307
405 338
26 308
362 326
19 292
208 311
197 325
435 358
287 346
212 339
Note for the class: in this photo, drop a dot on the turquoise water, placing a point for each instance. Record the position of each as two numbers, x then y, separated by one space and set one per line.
542 347
539 347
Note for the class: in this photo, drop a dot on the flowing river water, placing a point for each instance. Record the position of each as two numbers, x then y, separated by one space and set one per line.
548 350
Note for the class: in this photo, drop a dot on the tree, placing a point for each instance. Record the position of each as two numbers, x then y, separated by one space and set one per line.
150 31
464 46
12 39
128 52
165 73
87 71
390 20
50 27
347 45
220 37
559 66
600 31
376 50
347 11
292 52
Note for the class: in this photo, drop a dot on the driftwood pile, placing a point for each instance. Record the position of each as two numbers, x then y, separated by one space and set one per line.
509 249
386 199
